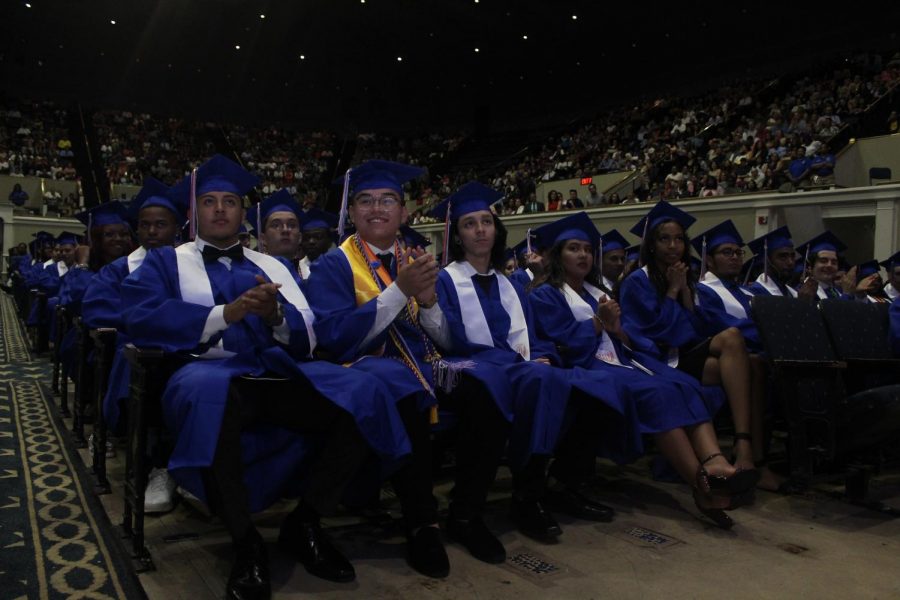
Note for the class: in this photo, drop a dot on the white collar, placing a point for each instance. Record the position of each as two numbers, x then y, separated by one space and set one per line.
201 243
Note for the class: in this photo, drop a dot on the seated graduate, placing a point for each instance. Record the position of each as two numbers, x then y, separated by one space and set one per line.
572 311
157 219
658 302
779 260
242 314
376 307
108 238
892 266
317 236
722 300
50 277
612 259
42 256
510 263
821 260
868 276
276 226
489 321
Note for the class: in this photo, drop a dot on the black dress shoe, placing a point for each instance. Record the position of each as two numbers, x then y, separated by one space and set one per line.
249 577
427 554
576 504
305 541
477 538
534 520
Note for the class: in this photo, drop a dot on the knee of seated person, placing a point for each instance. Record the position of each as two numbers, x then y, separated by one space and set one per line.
732 337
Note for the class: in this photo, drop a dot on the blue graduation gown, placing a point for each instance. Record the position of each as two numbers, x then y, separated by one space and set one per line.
666 400
520 277
102 308
662 320
712 310
341 327
532 395
195 396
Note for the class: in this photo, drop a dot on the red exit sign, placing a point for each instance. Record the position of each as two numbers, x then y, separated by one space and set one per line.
586 180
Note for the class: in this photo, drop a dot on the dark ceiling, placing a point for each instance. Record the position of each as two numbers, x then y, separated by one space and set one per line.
181 56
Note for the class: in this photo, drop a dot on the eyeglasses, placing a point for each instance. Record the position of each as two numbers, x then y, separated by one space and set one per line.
367 202
731 253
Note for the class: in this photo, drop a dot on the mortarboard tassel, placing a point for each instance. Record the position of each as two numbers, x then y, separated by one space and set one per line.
643 240
342 220
446 256
193 201
259 231
703 259
528 240
766 260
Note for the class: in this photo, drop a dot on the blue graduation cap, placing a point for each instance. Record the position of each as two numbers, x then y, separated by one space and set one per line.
572 227
723 233
870 267
218 174
413 238
373 175
824 241
633 253
280 201
108 213
67 237
155 193
469 198
891 261
661 212
316 218
43 237
769 242
613 240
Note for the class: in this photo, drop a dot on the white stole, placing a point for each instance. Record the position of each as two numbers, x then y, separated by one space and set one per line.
732 306
608 282
304 268
767 282
821 291
136 258
477 330
582 311
195 287
530 274
62 268
891 291
49 262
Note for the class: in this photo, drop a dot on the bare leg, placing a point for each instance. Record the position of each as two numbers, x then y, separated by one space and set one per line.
768 480
678 449
729 366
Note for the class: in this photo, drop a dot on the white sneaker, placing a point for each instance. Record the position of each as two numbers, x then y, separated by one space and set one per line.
160 490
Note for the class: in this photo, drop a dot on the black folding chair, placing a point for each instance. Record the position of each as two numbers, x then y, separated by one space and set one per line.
104 341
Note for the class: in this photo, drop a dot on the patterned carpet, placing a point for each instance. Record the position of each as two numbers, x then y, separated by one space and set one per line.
55 539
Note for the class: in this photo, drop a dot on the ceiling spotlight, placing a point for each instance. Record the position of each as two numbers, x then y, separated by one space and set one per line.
302 57
574 17
262 16
524 37
112 22
27 5
399 59
237 47
477 50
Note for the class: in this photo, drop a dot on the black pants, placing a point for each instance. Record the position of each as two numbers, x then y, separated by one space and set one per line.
301 409
575 456
482 438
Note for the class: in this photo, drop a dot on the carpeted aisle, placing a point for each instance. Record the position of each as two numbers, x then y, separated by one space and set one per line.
55 540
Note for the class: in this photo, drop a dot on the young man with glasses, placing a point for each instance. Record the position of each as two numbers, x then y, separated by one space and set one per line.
723 302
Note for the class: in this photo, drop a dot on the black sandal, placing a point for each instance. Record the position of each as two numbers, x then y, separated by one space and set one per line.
702 491
734 485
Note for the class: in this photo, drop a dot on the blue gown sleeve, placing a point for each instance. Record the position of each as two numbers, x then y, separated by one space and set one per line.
49 280
540 348
154 313
711 309
662 320
72 287
102 305
555 323
341 325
